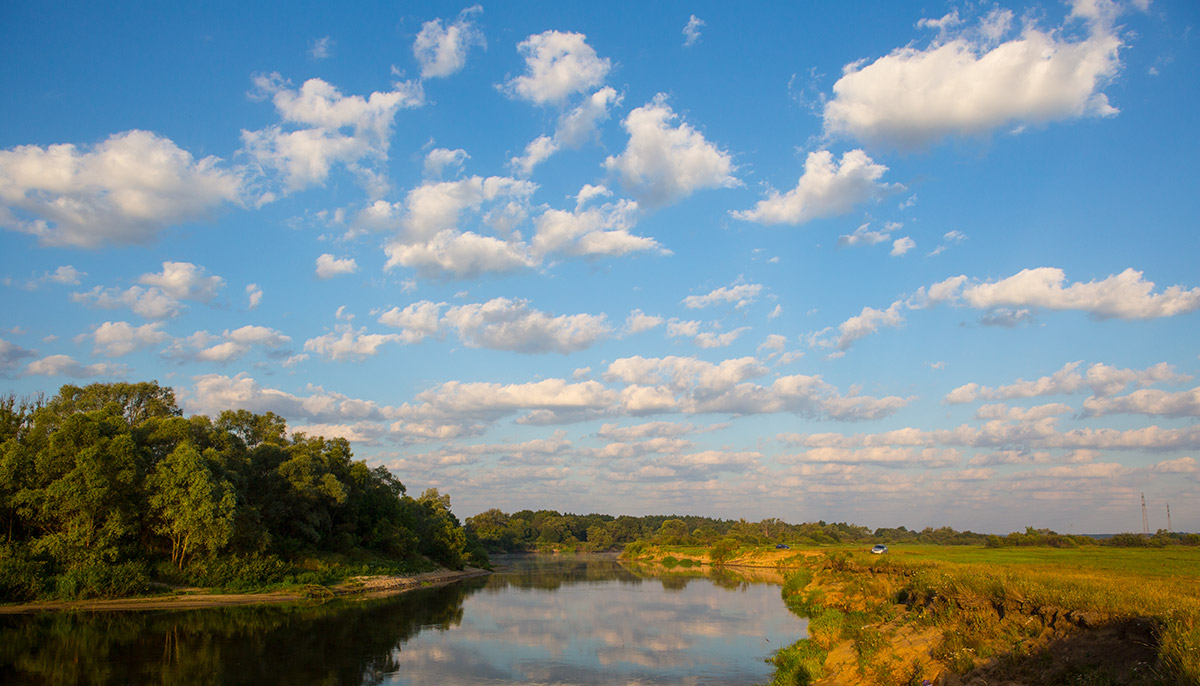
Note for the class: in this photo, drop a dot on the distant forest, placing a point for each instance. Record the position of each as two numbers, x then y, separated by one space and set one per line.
528 530
108 487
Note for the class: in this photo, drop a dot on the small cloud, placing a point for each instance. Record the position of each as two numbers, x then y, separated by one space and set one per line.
321 48
328 266
254 296
691 32
902 245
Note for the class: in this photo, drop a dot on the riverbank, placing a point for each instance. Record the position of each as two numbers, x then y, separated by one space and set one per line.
196 598
969 614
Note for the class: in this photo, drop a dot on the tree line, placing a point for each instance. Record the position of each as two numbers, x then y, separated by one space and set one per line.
108 486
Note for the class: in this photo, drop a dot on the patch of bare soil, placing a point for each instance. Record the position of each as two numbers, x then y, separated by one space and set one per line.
194 598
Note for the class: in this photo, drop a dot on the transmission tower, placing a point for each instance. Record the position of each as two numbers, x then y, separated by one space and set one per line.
1145 520
1169 529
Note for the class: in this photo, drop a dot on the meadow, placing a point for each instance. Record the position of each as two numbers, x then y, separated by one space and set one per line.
1086 615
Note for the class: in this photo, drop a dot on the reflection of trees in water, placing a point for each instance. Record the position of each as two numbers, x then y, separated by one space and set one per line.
343 642
677 578
549 572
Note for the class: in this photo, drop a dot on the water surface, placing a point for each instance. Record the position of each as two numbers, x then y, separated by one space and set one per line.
539 620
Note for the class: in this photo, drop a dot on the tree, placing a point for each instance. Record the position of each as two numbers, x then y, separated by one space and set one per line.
193 508
723 550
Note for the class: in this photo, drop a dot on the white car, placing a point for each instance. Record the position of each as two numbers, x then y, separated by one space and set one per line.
879 549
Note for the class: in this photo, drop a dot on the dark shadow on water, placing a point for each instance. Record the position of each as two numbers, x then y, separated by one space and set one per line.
342 642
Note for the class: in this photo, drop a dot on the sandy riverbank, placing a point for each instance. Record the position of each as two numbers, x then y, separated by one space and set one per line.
193 598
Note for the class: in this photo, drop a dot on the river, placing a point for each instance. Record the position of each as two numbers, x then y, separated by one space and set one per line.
562 619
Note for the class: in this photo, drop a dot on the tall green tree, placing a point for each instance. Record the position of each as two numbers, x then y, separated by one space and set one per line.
192 506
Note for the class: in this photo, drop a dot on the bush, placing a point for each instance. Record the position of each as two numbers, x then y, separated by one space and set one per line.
239 573
20 577
102 581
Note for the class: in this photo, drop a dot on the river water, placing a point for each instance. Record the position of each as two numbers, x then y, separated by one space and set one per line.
539 620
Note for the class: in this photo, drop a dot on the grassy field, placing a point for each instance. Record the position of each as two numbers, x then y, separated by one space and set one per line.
1006 613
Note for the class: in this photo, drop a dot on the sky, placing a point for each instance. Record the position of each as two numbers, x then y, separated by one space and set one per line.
885 263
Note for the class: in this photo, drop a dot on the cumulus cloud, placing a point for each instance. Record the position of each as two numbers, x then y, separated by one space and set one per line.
863 235
741 295
442 50
1149 401
64 365
184 281
162 296
827 188
557 64
505 324
124 190
346 343
639 321
229 346
213 393
254 296
664 162
329 266
431 240
575 128
902 245
859 326
66 275
438 160
603 230
1127 295
500 324
1101 379
970 82
115 339
324 128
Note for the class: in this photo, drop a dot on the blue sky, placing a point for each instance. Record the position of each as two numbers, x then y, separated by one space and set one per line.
877 262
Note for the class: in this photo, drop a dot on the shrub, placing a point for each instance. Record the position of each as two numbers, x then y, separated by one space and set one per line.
102 581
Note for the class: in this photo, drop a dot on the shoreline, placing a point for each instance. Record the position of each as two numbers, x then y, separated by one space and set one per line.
194 599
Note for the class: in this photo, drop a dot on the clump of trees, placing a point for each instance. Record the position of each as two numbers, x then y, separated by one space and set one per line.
104 487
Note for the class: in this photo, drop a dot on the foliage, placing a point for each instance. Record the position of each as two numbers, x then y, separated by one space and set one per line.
100 483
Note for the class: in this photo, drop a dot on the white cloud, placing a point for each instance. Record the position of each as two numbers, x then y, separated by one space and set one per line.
417 321
741 294
1149 401
537 151
500 324
972 84
177 281
1100 378
575 128
329 266
184 281
902 245
213 393
639 321
691 32
504 324
859 326
663 163
125 190
592 231
1126 295
115 339
64 365
65 274
254 296
863 235
827 188
712 339
321 48
150 303
442 51
438 160
328 128
345 343
430 237
557 64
